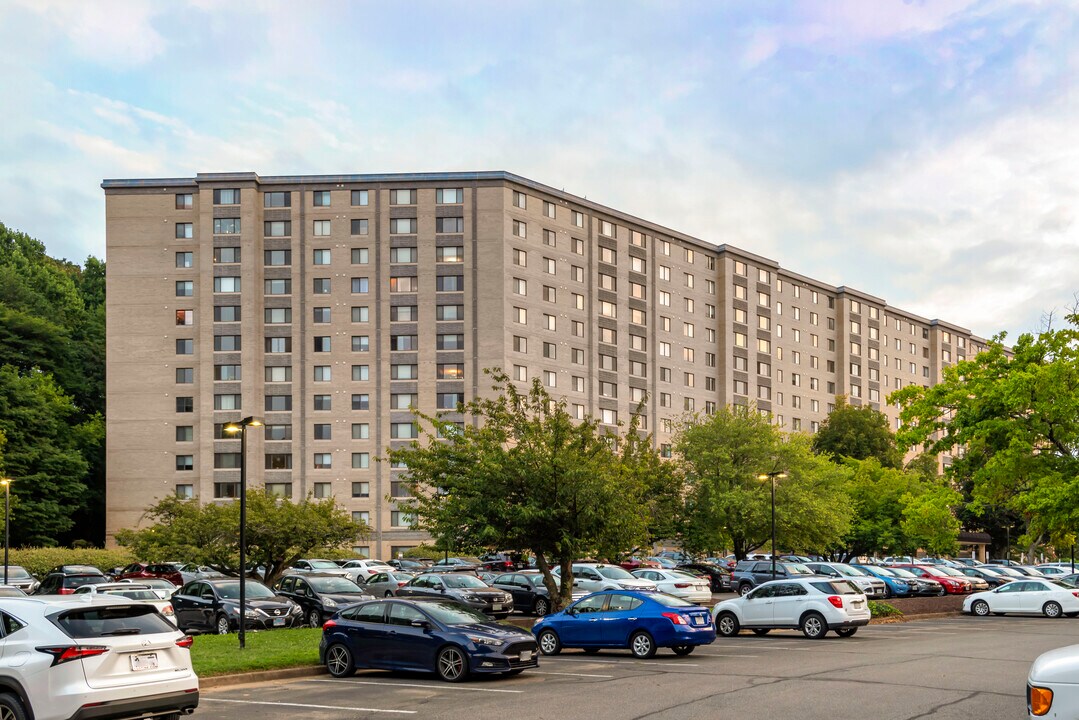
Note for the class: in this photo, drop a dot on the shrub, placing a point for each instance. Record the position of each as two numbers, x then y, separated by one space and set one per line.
39 560
424 552
879 609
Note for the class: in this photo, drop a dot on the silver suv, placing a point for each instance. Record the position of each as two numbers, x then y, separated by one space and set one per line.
90 656
870 586
593 577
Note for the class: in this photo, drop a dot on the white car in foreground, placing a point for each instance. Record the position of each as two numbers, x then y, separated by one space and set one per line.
678 583
91 656
1036 597
1053 684
813 605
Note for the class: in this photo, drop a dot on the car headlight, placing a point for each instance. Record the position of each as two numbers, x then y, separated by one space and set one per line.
484 641
329 603
296 609
506 597
471 598
624 586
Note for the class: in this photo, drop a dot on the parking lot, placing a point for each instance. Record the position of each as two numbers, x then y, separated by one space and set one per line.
950 668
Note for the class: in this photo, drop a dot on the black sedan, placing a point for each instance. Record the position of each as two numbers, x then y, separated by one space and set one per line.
994 579
320 596
719 577
466 589
214 606
423 634
529 593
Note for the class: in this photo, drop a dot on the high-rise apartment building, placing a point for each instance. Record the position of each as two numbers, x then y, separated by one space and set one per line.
327 306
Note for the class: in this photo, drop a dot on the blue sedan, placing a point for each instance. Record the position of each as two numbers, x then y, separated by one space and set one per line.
423 634
640 621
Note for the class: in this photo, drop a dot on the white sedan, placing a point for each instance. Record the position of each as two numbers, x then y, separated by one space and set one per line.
361 570
1039 597
1052 690
678 583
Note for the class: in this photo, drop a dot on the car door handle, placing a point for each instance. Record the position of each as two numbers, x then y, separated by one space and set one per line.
593 619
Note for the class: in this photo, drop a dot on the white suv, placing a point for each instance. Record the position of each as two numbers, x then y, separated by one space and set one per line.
593 577
91 656
814 605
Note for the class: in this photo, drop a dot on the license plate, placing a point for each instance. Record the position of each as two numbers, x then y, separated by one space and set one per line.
856 603
526 655
144 661
496 606
279 622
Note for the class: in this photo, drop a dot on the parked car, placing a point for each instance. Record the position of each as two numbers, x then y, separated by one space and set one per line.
894 586
362 569
969 562
456 564
141 571
11 591
407 565
323 567
678 583
676 556
131 591
640 621
951 585
592 577
813 605
164 589
718 575
870 585
100 657
530 595
320 595
983 572
977 583
1037 597
214 606
1052 690
60 583
1028 570
385 584
191 571
635 563
1002 561
919 585
435 635
663 562
20 577
466 589
748 574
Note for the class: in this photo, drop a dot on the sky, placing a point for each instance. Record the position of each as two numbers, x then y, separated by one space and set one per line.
922 151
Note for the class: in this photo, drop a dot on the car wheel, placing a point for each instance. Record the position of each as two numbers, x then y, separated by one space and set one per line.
727 624
339 661
980 608
1052 609
590 651
221 626
452 664
942 592
549 644
642 645
314 619
744 589
11 708
683 649
761 631
846 632
541 608
813 626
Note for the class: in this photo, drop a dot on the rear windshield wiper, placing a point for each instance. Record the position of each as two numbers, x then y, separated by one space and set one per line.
122 631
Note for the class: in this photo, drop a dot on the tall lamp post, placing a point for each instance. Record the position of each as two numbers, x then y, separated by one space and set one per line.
772 476
232 428
6 482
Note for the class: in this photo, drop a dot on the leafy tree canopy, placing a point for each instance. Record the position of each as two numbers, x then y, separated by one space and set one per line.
857 432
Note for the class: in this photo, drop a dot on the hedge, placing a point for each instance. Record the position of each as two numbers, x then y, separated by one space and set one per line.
38 561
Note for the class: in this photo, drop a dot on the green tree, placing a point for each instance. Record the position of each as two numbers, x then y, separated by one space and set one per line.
726 505
857 432
524 475
279 531
1015 414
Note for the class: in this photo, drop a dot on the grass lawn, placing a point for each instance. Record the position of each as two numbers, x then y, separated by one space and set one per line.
267 650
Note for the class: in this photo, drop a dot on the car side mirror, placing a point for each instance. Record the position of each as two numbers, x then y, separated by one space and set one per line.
571 611
442 590
420 624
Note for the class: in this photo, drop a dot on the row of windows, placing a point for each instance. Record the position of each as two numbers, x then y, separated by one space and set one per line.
323 228
359 431
322 198
359 256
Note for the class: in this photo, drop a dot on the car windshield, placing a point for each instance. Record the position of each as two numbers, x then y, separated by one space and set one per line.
986 571
131 594
885 572
451 613
949 571
14 572
899 572
612 572
681 575
835 587
798 569
670 600
157 582
463 581
1009 572
323 564
334 585
850 571
934 571
231 590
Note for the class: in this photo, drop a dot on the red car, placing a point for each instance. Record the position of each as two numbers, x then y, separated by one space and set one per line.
139 571
951 585
636 563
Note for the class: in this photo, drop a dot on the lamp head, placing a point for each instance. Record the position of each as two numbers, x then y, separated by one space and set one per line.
5 481
231 428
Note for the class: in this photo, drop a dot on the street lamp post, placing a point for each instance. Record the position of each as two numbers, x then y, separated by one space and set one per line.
772 476
241 427
6 482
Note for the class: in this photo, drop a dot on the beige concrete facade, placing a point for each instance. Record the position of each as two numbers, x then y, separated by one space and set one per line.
328 316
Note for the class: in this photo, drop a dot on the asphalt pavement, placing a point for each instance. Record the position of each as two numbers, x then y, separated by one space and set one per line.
945 669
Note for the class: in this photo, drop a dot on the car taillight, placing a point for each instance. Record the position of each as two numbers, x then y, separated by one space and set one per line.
186 641
167 610
1075 593
65 591
402 583
1041 700
675 618
328 625
682 585
72 652
836 601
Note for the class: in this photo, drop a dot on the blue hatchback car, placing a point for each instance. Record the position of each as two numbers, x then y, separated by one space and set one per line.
640 621
437 635
897 586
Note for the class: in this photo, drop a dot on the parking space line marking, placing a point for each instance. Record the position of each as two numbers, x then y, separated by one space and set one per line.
626 662
413 685
306 705
540 672
726 655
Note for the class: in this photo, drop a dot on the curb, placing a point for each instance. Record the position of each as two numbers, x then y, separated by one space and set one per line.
257 676
913 618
